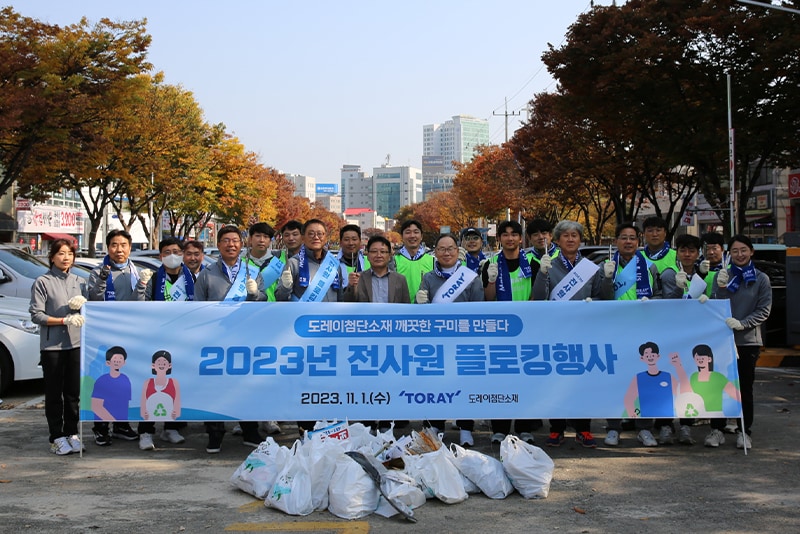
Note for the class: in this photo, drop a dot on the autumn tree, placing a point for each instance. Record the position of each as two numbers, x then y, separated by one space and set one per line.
58 84
650 78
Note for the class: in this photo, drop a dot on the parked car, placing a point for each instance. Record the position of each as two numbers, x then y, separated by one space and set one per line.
18 270
19 342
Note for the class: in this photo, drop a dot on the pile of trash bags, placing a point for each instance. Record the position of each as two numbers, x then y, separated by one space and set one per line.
352 473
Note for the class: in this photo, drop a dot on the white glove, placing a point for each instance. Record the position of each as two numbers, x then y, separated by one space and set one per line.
252 286
734 324
76 302
723 277
422 297
286 279
480 265
462 254
609 267
74 320
702 299
545 263
681 280
492 272
145 276
644 299
587 299
704 267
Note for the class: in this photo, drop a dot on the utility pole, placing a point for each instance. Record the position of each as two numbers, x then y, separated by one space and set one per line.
506 114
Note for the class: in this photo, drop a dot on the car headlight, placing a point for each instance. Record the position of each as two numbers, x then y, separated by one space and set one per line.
26 325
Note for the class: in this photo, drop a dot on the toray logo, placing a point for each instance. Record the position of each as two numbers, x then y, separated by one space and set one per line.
455 286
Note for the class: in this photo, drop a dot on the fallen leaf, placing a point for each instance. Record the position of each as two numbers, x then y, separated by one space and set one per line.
579 510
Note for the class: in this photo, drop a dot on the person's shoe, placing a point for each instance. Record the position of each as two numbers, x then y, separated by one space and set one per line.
214 442
172 436
647 439
237 430
465 438
730 426
555 439
666 436
715 438
586 439
124 431
146 442
685 435
527 437
75 442
612 438
102 438
61 447
498 437
743 440
271 427
252 440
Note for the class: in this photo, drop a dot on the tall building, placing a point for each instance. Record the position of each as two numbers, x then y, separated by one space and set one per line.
453 140
304 186
356 188
394 187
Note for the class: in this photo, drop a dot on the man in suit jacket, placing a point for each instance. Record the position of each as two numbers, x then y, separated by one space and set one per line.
377 284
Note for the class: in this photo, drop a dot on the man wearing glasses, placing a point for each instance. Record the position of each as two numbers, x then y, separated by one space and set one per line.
229 280
378 284
472 242
312 270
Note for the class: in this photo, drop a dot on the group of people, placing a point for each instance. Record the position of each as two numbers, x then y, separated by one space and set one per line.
454 270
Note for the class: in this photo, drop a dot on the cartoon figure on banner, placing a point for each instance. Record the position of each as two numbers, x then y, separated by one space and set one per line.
112 391
161 396
651 393
707 387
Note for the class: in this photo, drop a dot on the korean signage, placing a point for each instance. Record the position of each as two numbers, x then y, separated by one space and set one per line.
41 219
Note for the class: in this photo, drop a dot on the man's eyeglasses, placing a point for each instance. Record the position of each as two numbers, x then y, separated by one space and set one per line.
446 250
378 252
230 241
472 238
316 234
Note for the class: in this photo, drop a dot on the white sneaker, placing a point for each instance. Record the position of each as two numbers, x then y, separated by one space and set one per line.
685 435
647 439
146 442
715 438
498 437
465 437
731 425
237 430
61 447
271 427
665 435
172 436
743 440
75 442
527 437
612 438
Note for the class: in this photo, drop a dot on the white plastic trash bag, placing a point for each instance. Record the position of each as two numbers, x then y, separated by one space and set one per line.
292 489
439 476
528 467
258 472
351 494
322 456
402 489
486 472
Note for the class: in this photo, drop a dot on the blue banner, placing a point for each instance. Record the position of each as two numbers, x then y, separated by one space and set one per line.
213 361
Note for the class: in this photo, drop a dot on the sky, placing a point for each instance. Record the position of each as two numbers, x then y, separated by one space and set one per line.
313 85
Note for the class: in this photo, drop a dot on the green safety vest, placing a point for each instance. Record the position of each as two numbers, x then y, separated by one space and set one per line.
269 291
631 293
670 259
520 287
413 271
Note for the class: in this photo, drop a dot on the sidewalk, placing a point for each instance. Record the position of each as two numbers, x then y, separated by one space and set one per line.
625 489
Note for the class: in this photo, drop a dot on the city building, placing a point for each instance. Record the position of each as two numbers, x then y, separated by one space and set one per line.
364 218
356 188
304 186
394 187
442 144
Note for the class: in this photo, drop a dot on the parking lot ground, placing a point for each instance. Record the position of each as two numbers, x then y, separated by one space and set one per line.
181 488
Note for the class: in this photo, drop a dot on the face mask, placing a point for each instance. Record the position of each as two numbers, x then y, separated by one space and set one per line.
172 261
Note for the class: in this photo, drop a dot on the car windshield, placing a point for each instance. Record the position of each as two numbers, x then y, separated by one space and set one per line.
23 263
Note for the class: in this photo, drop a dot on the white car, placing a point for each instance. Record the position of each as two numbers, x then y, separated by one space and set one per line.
19 342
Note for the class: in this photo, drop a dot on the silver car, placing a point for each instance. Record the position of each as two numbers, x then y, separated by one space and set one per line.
19 342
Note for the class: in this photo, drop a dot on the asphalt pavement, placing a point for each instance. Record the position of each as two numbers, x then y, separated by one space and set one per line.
181 488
